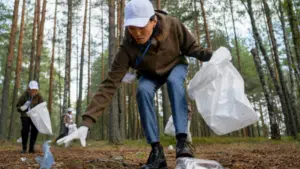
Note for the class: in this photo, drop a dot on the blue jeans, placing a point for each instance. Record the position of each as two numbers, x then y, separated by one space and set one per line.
177 95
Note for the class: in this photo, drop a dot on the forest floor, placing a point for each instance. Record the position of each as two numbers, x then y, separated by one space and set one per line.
98 154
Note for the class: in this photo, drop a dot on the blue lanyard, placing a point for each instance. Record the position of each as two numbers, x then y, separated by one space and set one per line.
140 58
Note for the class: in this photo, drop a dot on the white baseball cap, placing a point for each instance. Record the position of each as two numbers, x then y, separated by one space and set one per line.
138 13
33 85
70 109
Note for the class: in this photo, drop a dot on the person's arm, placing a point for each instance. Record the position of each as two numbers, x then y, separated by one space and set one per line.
107 88
189 46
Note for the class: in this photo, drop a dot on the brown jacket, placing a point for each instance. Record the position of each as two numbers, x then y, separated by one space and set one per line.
168 49
37 99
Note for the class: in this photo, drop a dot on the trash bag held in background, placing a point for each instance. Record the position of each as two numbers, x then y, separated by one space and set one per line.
41 118
170 129
218 90
193 163
48 160
72 129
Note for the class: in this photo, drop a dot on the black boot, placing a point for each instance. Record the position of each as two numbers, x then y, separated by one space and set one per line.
31 149
24 149
183 148
156 159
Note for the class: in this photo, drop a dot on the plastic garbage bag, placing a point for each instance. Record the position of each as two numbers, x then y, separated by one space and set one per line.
170 129
218 90
193 163
41 118
72 128
170 148
48 160
19 140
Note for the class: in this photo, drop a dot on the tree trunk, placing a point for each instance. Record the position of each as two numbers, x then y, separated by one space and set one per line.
294 29
102 130
40 43
235 38
129 131
33 41
89 94
265 128
226 32
114 132
52 61
289 98
271 70
121 91
275 133
77 58
7 77
59 82
68 57
79 100
18 69
257 123
134 112
197 28
207 35
291 63
165 104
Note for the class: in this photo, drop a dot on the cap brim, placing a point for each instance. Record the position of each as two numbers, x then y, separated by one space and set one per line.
34 88
138 22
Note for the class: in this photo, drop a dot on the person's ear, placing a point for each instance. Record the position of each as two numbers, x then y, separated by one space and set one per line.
154 21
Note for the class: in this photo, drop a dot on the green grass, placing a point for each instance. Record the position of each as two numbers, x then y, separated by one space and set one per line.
167 140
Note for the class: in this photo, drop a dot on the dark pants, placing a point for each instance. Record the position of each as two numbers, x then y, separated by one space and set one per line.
28 126
64 133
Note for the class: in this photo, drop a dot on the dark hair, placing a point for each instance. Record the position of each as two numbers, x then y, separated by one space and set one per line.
152 17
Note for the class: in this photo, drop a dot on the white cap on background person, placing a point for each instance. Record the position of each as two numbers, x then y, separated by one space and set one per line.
138 13
70 109
33 85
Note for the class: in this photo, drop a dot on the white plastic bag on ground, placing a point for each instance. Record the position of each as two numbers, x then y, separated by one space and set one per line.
218 90
41 118
47 160
170 129
193 163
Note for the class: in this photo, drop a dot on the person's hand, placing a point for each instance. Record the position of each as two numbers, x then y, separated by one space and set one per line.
25 106
80 134
208 52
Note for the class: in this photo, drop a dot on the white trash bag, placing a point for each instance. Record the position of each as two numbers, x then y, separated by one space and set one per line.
218 90
41 118
72 129
170 129
19 140
193 163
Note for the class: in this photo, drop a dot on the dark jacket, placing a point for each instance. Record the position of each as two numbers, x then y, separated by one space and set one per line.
168 49
37 99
